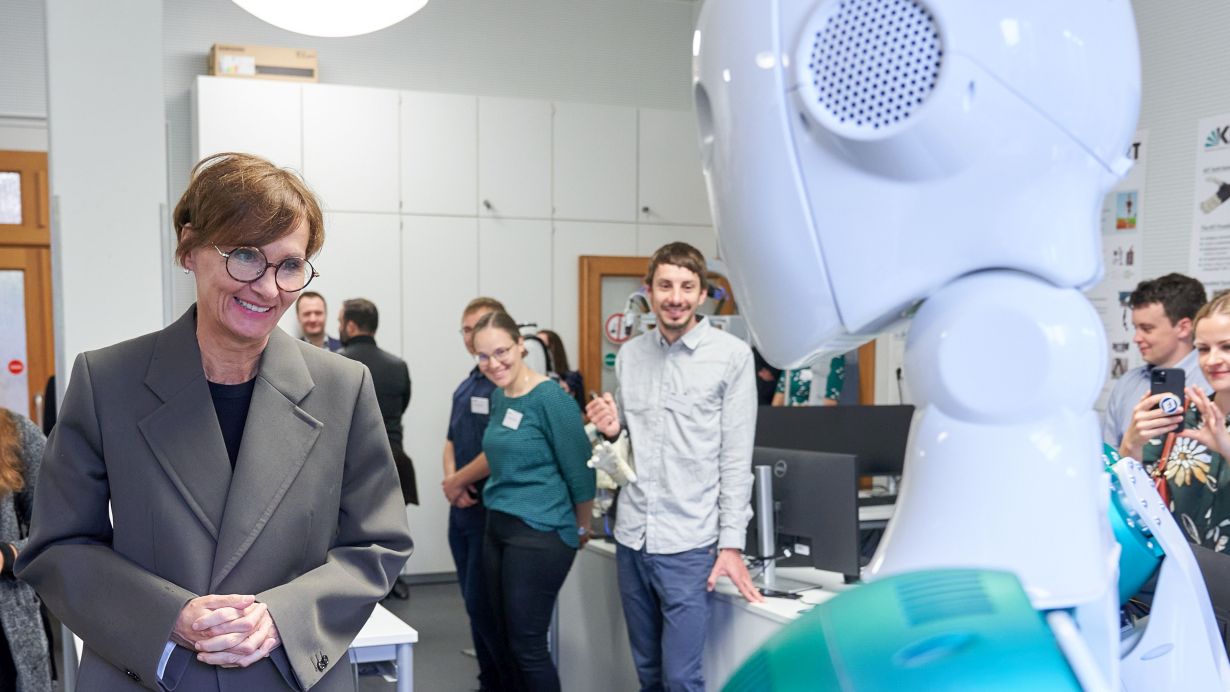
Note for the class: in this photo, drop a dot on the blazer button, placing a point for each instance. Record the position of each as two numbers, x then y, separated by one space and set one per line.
134 676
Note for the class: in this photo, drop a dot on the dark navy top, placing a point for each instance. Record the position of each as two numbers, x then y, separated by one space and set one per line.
465 425
231 403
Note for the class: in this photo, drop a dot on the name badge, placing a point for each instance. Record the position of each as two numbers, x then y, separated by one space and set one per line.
480 405
679 404
512 419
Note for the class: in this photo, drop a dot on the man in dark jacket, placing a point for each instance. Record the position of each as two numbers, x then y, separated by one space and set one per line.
390 376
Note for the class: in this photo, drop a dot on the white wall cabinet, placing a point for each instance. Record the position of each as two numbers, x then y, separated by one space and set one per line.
514 158
262 118
594 163
671 182
360 259
403 176
439 258
650 237
350 154
439 154
514 266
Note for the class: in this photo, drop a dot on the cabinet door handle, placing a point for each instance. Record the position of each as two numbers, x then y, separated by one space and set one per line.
487 205
644 210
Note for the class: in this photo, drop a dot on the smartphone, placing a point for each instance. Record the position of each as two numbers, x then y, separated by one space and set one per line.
1169 381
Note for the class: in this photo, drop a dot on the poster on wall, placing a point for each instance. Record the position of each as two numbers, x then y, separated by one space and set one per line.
1210 248
1121 225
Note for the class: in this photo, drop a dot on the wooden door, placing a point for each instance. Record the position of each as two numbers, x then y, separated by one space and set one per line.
25 282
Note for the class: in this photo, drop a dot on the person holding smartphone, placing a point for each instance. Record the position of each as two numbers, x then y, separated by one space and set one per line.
1190 465
1163 311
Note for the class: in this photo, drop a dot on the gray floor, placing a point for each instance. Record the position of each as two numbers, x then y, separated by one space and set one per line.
436 611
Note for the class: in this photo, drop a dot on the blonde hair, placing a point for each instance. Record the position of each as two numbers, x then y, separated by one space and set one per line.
1220 305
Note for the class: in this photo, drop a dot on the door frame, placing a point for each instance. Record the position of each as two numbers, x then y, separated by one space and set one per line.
591 269
26 247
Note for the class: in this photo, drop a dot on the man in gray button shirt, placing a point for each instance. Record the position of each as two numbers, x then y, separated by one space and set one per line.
687 399
1162 314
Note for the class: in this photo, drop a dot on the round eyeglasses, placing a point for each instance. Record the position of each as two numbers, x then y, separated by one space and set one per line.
501 354
248 264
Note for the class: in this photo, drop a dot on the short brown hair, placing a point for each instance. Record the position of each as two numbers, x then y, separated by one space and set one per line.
680 255
501 321
1180 296
309 294
484 303
363 313
241 199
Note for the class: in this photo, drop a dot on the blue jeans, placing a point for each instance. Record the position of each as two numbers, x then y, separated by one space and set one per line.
666 607
465 540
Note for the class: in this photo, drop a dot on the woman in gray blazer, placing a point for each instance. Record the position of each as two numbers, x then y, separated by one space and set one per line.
257 517
24 662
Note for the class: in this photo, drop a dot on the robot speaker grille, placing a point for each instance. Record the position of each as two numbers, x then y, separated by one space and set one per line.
871 63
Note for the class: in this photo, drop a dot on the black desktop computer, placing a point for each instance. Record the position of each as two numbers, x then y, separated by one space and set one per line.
818 456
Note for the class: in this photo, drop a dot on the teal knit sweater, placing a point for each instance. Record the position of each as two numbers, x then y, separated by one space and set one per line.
538 470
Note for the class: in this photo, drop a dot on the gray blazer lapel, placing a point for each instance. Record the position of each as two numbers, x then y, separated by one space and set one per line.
277 438
183 433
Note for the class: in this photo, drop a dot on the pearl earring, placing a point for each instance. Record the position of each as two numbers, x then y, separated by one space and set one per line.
187 271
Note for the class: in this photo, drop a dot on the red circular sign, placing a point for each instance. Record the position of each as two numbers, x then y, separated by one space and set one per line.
16 367
618 328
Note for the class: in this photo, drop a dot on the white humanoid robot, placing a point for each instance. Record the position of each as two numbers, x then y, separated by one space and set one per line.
876 160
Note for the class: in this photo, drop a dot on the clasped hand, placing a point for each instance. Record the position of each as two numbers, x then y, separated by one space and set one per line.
232 631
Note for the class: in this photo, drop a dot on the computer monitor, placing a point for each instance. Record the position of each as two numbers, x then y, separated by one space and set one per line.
875 434
815 498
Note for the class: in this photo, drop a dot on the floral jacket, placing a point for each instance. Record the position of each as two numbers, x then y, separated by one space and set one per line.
1195 476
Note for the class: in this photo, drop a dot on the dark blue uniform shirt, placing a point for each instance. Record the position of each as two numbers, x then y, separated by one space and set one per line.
465 426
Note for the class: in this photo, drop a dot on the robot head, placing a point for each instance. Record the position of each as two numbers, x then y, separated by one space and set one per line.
862 153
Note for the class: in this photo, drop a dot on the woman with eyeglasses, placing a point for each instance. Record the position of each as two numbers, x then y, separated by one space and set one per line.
257 516
539 499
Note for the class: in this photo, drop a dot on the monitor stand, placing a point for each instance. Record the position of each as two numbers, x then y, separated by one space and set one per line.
774 586
766 533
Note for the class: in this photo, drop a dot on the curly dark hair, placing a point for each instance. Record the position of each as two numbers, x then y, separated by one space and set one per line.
1180 296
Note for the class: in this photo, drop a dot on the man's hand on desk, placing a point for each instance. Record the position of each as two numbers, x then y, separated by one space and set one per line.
730 564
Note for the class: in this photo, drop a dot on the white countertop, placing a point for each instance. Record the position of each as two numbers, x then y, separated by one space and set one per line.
781 610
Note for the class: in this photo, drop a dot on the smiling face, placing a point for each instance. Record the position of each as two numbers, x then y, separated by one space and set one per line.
234 314
311 316
1161 342
1213 346
675 294
499 356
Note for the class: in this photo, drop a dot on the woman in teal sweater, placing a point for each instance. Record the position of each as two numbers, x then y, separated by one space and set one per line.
538 497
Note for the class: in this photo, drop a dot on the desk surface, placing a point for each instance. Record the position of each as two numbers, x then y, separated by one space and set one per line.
384 628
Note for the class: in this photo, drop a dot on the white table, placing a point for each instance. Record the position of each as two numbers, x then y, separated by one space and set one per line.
385 637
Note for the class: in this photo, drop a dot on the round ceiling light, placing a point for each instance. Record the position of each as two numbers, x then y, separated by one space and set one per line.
332 18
